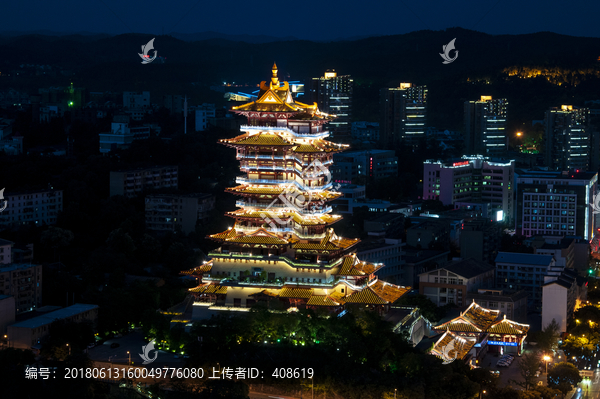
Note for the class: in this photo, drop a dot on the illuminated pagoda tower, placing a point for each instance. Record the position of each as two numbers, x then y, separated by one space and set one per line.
281 246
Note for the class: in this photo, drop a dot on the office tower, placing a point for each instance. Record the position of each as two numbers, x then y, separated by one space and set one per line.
485 126
403 113
567 138
333 95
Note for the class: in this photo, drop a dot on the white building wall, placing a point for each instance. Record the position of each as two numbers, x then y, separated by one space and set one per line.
554 305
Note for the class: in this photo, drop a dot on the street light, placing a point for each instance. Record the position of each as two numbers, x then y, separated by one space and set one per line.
546 358
69 349
129 358
395 390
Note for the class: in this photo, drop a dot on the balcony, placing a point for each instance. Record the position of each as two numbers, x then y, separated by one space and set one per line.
248 128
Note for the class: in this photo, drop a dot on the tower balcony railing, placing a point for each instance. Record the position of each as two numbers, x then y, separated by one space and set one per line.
247 255
295 208
318 135
245 180
281 157
282 230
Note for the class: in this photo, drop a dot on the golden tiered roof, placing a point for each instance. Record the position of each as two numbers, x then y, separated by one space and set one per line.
330 242
322 300
377 292
320 146
508 327
289 292
277 97
452 346
198 270
474 319
259 236
258 139
209 289
351 266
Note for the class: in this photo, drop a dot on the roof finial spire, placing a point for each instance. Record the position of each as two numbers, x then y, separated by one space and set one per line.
274 78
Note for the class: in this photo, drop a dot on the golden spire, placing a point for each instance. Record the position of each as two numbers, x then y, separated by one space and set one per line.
274 78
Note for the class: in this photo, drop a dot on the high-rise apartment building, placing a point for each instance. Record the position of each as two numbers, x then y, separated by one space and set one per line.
485 126
555 203
333 95
471 180
403 113
169 212
568 138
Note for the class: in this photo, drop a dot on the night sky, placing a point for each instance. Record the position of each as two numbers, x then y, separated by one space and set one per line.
314 20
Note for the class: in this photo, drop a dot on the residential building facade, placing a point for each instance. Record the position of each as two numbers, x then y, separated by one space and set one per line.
24 282
452 283
520 271
333 95
171 212
561 293
129 183
31 208
371 164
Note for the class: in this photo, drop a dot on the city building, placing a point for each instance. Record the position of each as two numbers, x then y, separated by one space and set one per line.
10 141
31 207
280 246
28 334
333 95
7 312
203 114
121 134
388 225
485 126
559 247
567 139
562 292
403 113
69 97
172 212
6 252
490 332
386 251
417 261
174 103
480 239
370 164
471 181
365 131
351 194
445 139
519 271
131 182
513 304
453 282
136 104
430 234
24 283
555 203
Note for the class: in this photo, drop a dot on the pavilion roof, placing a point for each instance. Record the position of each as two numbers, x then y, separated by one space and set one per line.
322 300
259 236
479 319
198 270
209 289
259 139
452 346
377 292
292 292
508 327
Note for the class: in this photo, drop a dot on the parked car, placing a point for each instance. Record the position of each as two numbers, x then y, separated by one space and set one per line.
537 373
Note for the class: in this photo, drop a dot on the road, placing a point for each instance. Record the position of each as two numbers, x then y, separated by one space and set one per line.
258 395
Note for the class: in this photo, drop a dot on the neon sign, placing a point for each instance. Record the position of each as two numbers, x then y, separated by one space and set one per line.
503 343
463 163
